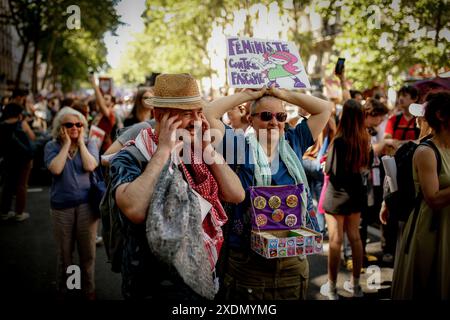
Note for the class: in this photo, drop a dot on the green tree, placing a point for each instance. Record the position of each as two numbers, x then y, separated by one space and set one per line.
43 24
384 38
177 33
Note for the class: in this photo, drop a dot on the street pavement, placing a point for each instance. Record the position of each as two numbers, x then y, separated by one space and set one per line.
28 261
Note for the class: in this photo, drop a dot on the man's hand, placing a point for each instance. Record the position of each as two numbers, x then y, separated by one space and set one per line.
167 134
206 134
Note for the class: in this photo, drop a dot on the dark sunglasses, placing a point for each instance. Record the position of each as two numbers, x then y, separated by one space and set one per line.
267 116
69 125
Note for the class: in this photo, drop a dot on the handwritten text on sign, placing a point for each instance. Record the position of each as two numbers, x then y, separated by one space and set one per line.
254 63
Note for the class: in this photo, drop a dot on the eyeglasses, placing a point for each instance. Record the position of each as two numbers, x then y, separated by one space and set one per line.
267 116
69 125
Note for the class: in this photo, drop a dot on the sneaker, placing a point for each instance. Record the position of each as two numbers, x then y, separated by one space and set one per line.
7 216
325 291
98 240
355 291
388 258
22 217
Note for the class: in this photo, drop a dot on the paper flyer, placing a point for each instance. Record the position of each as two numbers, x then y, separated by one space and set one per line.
391 172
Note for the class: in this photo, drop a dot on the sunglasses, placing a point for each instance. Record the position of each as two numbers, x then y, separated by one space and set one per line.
69 125
267 116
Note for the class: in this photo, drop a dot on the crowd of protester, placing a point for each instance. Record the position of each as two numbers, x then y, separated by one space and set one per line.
332 145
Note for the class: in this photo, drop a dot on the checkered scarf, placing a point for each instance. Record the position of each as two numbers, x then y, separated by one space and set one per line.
205 184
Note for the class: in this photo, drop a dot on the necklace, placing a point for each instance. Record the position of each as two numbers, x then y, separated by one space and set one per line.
73 152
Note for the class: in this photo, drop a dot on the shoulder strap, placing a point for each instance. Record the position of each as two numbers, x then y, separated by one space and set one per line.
419 197
137 155
398 118
429 143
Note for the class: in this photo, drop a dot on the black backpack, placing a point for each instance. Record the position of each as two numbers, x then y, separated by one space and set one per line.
401 203
113 227
14 142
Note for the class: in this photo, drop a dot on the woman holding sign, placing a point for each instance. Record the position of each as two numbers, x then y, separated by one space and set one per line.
269 157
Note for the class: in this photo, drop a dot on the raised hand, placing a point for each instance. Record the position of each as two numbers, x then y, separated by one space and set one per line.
65 136
81 136
254 94
167 134
276 92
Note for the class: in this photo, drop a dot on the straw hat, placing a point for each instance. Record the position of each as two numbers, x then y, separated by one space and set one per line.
176 91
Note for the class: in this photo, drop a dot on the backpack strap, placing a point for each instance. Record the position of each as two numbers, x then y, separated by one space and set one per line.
434 221
429 143
398 118
137 155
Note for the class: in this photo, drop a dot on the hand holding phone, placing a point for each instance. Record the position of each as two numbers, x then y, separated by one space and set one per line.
339 66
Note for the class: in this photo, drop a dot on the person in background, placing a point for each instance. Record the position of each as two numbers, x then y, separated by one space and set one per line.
17 149
238 117
105 119
423 269
356 94
141 111
313 160
375 114
345 197
401 127
70 160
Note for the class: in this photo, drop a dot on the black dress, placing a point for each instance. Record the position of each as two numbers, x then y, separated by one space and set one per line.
347 190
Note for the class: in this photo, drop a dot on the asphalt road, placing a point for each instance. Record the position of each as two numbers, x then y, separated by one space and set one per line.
28 260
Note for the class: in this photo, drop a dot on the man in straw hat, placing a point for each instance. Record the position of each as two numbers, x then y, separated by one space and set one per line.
138 192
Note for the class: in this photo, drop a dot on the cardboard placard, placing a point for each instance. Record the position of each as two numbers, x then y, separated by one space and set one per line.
97 135
255 63
105 85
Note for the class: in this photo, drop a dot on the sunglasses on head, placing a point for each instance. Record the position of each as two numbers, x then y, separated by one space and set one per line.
69 125
267 116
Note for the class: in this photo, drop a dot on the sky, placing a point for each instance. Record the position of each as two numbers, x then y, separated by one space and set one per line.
130 12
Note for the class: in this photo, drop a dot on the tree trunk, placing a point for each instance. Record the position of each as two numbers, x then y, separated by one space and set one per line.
34 85
49 62
21 64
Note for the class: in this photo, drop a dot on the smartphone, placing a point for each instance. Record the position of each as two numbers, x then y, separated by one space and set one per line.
339 66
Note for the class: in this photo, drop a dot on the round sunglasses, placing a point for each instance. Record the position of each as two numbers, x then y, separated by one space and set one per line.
267 116
69 125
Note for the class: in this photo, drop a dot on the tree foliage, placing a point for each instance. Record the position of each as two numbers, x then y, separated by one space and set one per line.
69 53
384 38
177 33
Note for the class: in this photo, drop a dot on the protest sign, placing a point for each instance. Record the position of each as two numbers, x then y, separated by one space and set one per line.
254 63
105 85
97 135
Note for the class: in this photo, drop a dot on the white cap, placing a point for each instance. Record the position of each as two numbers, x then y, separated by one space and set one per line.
417 110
